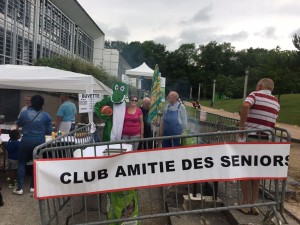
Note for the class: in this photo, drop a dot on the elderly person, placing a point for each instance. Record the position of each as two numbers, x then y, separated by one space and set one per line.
35 124
174 120
259 111
27 103
133 126
147 126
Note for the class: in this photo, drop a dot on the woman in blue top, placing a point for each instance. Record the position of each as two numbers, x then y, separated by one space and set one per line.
35 125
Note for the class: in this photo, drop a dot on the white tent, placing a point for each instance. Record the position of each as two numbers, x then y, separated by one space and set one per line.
48 79
141 71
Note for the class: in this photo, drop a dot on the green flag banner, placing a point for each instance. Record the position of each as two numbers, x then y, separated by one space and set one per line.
155 95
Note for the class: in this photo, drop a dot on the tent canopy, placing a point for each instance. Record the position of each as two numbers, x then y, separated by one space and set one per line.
141 71
49 79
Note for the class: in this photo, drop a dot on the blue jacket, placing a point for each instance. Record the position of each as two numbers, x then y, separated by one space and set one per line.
12 148
37 128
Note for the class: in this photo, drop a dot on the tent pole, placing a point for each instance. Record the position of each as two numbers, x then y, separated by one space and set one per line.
90 90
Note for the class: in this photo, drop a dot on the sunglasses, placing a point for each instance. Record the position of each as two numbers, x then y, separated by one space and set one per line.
133 100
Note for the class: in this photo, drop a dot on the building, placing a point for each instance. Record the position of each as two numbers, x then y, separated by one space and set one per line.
33 29
114 63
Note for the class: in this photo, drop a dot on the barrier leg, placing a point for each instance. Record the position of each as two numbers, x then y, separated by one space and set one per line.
277 216
42 211
270 215
281 209
202 219
215 190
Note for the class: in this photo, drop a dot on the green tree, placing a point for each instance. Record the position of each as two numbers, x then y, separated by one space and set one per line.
225 86
214 60
278 67
296 41
154 53
188 66
182 69
133 53
119 45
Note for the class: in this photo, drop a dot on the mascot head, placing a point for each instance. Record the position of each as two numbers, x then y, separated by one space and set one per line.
120 91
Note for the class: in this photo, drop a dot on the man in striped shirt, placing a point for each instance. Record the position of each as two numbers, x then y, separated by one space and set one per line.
259 111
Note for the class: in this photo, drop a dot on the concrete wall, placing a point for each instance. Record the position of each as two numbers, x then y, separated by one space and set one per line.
111 61
98 51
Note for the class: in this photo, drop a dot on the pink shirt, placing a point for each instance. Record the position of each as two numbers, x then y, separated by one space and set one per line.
132 125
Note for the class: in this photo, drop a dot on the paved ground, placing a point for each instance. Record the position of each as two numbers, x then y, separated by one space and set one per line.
25 210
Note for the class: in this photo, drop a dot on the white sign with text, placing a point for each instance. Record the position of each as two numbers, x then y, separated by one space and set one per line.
140 169
88 101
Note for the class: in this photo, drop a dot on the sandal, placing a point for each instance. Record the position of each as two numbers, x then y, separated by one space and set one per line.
255 211
246 210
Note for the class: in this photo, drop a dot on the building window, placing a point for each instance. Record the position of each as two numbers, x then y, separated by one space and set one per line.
16 44
56 33
84 45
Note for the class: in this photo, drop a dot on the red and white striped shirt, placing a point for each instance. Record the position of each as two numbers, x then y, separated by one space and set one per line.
264 109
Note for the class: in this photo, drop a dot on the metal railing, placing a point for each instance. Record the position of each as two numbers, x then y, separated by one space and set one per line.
73 139
162 202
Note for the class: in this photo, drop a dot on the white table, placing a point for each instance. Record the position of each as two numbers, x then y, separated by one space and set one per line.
100 150
5 137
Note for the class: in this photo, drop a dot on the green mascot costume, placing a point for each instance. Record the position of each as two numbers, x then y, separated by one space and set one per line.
112 110
113 121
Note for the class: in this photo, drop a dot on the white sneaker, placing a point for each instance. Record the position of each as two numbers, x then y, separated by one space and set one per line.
31 190
20 192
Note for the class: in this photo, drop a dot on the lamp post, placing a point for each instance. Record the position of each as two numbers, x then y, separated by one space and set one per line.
199 92
213 95
246 83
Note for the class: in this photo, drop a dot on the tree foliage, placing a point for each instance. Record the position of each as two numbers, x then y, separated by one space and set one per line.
296 41
191 65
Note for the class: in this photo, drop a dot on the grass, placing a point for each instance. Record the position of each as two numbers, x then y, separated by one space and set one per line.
289 107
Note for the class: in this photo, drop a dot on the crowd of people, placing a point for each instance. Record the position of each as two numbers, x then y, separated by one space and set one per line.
259 111
33 124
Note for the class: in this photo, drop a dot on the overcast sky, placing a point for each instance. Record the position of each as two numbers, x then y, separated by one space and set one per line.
243 23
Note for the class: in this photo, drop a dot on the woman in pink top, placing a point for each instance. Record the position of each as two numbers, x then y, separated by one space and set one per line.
133 127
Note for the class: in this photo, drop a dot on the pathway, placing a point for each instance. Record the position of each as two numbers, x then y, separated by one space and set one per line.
293 129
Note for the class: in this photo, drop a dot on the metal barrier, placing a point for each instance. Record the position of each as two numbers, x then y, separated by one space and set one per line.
74 138
210 122
160 203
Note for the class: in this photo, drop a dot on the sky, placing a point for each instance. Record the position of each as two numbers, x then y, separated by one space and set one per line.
244 23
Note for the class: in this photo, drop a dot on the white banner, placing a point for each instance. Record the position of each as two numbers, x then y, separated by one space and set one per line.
88 101
142 169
